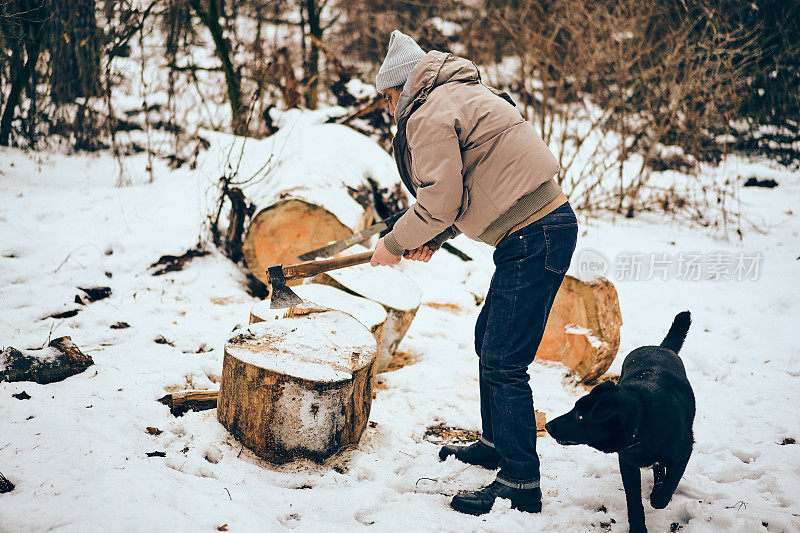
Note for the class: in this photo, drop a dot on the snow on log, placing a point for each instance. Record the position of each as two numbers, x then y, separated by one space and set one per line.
398 294
297 179
583 327
300 386
59 360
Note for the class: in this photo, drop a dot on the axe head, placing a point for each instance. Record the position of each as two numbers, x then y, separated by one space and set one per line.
282 296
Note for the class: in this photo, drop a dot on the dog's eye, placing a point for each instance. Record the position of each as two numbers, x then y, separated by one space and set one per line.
580 417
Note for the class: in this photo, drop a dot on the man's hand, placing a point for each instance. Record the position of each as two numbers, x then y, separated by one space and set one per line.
382 256
423 253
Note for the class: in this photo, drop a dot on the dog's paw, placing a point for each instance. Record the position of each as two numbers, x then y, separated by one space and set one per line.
659 501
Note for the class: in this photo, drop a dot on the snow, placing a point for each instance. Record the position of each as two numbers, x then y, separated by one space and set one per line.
76 449
279 163
572 329
386 285
327 346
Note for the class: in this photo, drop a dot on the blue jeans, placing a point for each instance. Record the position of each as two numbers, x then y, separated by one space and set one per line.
529 267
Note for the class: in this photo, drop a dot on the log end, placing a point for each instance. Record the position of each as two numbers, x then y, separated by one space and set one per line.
583 329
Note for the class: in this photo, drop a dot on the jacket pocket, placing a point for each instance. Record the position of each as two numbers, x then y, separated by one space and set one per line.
560 240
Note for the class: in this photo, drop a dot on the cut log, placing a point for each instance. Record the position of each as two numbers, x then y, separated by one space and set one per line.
318 298
398 294
190 400
299 386
583 328
282 231
60 360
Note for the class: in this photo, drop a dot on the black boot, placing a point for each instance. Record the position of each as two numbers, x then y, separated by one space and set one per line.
477 453
481 501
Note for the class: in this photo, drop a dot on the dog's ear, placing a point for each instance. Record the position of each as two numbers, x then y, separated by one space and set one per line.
605 408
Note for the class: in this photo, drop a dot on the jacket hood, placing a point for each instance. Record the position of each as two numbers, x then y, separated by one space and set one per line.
435 69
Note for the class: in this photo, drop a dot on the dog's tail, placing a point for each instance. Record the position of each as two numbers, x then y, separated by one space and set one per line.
677 332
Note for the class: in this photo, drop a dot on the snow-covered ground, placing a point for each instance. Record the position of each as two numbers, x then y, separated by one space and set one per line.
76 449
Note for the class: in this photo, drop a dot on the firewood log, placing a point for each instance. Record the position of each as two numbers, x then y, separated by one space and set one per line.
59 360
583 328
282 231
398 294
299 386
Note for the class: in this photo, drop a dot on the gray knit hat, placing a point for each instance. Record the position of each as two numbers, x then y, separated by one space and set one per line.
402 57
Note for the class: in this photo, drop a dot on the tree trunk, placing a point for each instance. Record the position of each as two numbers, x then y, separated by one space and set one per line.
75 51
209 16
299 386
312 60
32 50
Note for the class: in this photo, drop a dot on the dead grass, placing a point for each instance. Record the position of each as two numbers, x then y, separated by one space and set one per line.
399 360
441 433
446 306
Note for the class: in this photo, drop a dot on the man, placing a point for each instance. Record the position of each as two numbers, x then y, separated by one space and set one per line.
476 166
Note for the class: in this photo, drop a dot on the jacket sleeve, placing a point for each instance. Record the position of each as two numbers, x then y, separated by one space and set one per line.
437 168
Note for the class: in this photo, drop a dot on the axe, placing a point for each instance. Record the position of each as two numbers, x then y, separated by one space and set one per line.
283 296
347 242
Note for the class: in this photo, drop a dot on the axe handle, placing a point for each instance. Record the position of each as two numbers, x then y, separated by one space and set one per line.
307 269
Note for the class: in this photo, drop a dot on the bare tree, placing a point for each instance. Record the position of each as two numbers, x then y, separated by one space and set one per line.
209 13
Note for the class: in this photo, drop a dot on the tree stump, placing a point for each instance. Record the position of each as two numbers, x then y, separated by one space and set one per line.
299 386
317 298
583 327
60 360
396 292
286 229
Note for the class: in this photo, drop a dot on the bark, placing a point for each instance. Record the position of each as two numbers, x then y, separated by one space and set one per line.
311 66
238 215
75 51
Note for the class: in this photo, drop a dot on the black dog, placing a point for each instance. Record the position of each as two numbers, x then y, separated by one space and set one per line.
646 418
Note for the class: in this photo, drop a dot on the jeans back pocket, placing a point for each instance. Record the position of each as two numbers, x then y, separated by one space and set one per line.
560 240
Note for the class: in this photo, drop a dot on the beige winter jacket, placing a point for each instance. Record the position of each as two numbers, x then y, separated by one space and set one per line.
468 156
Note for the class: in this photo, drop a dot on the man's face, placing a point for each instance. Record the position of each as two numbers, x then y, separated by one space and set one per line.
392 94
